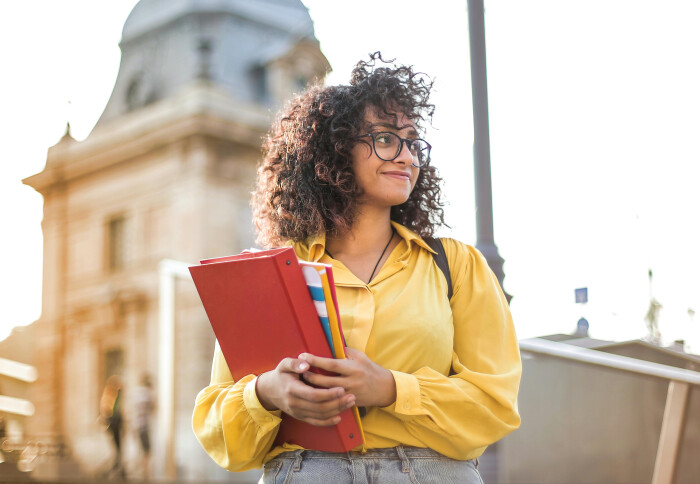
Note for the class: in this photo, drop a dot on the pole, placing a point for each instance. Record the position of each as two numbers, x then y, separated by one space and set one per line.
482 157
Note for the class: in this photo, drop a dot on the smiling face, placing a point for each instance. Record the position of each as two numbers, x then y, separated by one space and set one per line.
384 184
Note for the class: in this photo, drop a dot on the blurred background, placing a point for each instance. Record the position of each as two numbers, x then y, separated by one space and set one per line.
132 131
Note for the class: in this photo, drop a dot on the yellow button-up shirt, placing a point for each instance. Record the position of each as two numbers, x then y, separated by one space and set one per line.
456 363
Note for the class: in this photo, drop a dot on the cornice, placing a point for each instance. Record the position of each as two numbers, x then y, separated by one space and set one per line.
200 109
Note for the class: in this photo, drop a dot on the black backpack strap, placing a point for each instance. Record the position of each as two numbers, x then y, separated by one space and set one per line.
441 261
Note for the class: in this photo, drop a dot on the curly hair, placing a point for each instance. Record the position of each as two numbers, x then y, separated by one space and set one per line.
305 182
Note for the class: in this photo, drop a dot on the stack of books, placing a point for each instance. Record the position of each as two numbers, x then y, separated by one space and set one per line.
265 306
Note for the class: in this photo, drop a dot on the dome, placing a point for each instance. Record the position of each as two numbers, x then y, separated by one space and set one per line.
236 45
288 15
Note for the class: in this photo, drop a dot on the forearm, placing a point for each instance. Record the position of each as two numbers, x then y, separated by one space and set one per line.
232 426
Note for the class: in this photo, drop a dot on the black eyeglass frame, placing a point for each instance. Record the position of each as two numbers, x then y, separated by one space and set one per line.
408 142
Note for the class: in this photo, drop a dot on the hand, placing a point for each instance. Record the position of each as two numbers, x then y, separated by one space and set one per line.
282 389
371 384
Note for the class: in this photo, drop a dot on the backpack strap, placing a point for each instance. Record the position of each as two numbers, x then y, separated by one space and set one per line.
441 261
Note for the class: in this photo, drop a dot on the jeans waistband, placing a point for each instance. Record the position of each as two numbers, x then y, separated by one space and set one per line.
398 453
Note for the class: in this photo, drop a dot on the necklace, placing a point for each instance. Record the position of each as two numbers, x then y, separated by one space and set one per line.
393 231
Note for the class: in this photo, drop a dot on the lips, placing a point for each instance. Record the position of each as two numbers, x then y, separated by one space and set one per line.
399 175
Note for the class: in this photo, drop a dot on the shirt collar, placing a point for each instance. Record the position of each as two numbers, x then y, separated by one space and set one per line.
314 248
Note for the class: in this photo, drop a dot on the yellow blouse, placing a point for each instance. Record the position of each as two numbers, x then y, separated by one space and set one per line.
403 321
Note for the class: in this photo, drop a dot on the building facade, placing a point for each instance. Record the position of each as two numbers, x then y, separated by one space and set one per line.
165 174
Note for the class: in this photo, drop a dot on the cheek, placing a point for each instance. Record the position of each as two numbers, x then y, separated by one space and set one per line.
414 181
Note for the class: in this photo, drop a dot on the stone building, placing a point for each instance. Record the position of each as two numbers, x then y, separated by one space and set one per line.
165 174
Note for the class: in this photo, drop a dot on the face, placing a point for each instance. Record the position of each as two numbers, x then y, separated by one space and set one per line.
384 183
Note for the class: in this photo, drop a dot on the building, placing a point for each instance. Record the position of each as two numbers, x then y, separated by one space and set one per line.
165 174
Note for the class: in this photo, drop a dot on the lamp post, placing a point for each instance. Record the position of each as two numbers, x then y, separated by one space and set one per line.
482 156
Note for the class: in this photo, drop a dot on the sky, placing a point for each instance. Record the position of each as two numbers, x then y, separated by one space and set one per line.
594 118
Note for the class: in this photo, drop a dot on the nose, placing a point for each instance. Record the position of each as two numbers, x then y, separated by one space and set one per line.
404 157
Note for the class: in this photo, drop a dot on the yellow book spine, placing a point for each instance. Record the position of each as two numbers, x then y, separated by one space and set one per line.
338 341
332 317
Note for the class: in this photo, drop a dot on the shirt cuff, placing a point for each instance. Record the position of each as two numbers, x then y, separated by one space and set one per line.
265 419
408 401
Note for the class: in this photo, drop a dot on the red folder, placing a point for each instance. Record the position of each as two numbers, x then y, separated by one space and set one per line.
261 311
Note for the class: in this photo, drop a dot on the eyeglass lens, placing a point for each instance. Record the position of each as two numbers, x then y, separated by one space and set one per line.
388 146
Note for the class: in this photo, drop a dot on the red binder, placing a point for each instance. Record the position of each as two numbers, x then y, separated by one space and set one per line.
261 311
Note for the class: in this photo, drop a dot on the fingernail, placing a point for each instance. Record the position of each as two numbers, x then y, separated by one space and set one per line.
302 356
303 366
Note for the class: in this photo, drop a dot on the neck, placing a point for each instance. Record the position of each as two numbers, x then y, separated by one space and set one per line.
370 230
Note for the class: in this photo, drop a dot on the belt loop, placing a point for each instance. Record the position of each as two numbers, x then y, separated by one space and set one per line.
405 463
297 461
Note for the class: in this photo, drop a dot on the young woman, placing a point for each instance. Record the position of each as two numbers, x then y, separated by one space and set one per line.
346 179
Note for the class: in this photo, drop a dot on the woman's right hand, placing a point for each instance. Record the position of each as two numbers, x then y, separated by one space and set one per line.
282 389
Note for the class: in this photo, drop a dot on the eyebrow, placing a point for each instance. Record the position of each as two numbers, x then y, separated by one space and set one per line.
394 127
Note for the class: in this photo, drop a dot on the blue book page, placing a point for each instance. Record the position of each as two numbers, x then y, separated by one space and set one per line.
315 285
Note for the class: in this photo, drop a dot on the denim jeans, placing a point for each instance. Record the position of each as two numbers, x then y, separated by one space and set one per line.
377 466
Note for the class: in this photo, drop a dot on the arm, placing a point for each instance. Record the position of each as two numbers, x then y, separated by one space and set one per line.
477 404
237 422
229 421
457 414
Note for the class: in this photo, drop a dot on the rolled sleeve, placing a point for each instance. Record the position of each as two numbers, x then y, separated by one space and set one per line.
265 419
408 397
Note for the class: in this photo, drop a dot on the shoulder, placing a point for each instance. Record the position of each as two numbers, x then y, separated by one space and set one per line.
467 265
461 253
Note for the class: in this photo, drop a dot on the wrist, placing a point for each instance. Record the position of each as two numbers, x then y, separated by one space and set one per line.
388 395
263 393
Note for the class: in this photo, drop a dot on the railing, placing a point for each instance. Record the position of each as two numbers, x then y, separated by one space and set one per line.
676 401
168 271
22 372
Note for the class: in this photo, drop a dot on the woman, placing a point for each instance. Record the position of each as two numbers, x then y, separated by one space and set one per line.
111 415
346 178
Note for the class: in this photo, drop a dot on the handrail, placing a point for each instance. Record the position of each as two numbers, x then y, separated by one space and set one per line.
600 358
676 401
17 370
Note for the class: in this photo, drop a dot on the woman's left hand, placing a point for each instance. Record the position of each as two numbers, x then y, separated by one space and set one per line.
372 385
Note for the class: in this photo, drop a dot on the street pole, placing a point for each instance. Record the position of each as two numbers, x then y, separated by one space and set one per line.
482 156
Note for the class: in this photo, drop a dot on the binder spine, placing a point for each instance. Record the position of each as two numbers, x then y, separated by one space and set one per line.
301 303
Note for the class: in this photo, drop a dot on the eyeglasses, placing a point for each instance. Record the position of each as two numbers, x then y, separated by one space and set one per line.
388 145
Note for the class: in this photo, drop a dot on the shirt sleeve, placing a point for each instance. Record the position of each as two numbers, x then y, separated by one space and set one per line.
460 414
230 422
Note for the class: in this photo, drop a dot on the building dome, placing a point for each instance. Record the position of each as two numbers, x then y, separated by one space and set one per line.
258 51
149 15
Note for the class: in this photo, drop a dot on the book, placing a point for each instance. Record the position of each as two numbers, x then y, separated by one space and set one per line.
315 285
261 311
325 271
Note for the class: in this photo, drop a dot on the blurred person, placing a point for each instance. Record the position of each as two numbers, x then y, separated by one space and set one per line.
346 179
111 415
143 406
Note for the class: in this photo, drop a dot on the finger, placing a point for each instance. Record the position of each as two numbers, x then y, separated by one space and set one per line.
293 365
323 422
325 381
328 364
325 410
303 391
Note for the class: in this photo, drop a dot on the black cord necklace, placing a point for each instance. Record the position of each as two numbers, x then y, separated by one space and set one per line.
393 231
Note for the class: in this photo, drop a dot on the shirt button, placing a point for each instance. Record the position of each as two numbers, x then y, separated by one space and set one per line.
406 406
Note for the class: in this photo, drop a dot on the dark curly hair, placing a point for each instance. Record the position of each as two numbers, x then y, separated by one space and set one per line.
306 185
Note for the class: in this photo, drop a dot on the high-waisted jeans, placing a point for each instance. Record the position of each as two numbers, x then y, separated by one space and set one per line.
377 466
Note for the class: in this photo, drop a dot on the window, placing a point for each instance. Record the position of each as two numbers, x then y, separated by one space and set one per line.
258 77
116 243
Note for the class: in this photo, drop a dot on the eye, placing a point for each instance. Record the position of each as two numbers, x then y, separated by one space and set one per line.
384 138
